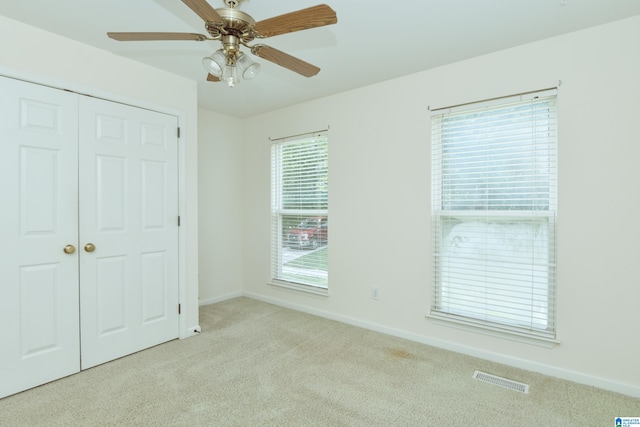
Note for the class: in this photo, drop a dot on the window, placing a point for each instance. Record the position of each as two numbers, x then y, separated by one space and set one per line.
300 212
494 180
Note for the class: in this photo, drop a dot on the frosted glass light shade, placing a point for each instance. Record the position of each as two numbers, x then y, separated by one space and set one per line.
249 68
231 75
215 63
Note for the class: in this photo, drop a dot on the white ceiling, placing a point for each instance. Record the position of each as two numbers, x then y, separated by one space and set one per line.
373 41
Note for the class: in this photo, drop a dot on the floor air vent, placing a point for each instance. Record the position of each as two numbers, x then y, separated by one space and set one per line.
502 382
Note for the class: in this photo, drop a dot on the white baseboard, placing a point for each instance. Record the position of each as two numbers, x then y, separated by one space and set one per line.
565 374
220 298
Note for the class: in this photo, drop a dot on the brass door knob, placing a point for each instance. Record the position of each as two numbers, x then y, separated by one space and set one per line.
69 249
89 247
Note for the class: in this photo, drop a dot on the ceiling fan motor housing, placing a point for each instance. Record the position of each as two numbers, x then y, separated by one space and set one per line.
235 22
237 28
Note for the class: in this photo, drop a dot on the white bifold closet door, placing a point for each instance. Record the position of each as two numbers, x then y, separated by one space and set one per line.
89 232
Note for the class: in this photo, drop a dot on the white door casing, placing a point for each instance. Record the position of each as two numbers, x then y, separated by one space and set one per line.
39 324
129 212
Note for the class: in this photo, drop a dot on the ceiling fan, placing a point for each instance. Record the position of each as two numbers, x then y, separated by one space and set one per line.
234 28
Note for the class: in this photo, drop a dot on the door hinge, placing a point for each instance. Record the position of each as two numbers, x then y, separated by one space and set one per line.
179 308
178 132
178 220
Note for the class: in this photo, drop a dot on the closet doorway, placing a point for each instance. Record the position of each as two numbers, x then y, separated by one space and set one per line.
89 223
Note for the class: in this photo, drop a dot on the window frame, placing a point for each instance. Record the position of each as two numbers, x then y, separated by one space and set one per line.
546 337
279 212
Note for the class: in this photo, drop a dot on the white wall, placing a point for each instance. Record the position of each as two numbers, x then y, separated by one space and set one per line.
380 201
38 56
220 167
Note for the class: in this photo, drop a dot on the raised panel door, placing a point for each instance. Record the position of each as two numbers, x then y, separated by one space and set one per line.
39 325
129 213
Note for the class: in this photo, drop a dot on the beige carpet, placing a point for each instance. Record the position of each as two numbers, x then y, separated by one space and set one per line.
256 364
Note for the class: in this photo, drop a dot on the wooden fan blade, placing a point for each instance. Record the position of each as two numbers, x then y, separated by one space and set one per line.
312 17
285 60
204 10
212 78
127 37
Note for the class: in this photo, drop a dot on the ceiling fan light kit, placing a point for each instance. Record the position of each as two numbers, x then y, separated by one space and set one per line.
228 67
234 28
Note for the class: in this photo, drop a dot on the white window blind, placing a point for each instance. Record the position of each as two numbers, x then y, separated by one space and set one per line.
494 178
300 211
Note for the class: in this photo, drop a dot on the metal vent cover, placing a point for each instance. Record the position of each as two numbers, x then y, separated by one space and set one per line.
502 382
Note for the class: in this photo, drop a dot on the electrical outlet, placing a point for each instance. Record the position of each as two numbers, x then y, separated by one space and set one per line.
375 293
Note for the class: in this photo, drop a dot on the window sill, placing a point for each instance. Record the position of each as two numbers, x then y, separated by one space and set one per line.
444 320
309 289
